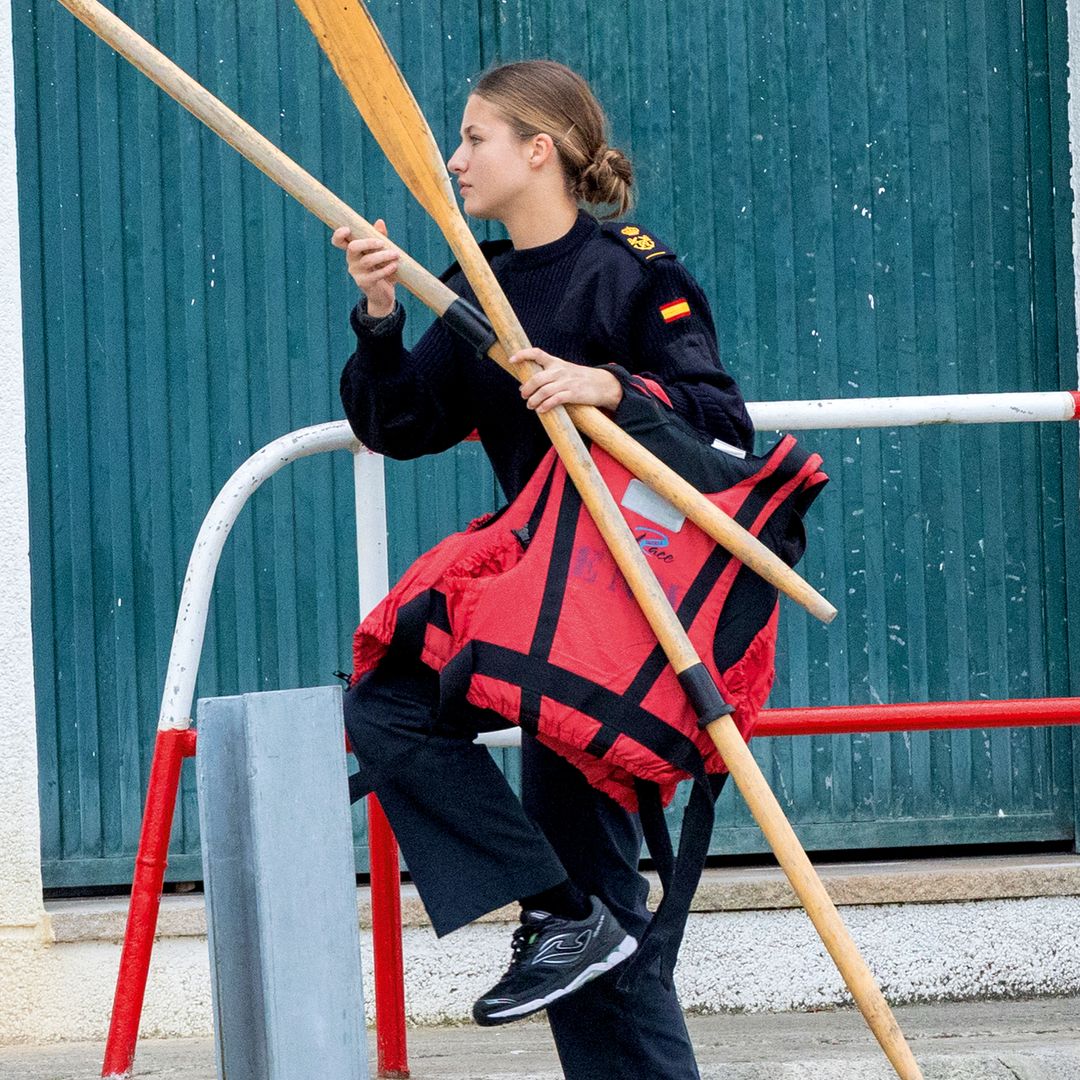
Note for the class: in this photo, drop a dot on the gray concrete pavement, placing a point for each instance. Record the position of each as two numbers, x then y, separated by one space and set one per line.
995 1040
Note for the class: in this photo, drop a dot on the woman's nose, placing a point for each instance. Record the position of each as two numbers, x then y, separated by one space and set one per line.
455 164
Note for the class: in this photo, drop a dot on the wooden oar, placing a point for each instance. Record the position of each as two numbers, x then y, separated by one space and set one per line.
326 206
358 53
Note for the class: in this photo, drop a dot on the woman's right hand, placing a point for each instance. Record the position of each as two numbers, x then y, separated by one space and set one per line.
373 264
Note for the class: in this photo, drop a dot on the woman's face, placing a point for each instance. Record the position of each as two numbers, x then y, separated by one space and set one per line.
492 164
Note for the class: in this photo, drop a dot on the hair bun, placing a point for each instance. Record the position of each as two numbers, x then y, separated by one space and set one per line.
607 179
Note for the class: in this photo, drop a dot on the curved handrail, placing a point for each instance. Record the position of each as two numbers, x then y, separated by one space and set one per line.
194 607
175 741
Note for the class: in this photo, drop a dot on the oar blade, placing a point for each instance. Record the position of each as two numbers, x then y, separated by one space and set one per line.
366 67
348 35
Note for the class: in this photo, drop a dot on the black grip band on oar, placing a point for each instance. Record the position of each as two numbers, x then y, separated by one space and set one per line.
703 694
471 324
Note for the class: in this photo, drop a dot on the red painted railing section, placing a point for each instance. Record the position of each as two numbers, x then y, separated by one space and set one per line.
386 939
170 749
173 746
921 716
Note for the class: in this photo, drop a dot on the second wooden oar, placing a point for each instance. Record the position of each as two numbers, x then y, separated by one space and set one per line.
352 41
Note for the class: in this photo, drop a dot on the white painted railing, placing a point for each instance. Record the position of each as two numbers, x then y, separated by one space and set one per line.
190 629
915 411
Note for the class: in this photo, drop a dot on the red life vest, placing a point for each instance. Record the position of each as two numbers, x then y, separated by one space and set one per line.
526 614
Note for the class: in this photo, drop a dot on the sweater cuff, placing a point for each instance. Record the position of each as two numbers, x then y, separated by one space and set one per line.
367 325
626 380
641 386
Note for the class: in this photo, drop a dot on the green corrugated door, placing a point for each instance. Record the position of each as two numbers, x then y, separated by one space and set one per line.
876 198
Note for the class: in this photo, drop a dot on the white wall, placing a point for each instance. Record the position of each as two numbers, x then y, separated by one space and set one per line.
21 910
24 927
746 960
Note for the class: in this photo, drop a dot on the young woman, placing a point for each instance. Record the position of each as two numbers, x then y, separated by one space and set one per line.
599 301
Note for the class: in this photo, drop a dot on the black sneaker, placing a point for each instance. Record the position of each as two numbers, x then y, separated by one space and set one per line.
553 957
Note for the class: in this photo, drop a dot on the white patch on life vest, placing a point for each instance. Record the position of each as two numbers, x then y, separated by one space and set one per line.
734 451
642 500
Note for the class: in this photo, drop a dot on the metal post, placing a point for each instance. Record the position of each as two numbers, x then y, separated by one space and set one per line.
385 876
280 892
391 1043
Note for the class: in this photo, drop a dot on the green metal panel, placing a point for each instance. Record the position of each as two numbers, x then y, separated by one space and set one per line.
876 198
180 312
865 191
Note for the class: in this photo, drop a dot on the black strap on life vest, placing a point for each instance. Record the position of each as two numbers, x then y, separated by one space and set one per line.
538 678
665 932
683 873
727 647
654 828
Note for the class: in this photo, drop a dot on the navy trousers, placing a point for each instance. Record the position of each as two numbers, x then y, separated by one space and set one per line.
472 846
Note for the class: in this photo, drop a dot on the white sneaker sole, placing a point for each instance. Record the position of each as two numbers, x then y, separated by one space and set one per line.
625 949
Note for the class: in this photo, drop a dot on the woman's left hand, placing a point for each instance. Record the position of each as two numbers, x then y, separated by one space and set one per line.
562 383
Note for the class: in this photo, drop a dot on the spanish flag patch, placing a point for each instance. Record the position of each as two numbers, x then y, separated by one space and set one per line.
676 309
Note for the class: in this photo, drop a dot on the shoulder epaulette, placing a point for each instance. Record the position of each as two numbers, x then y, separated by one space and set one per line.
642 244
490 248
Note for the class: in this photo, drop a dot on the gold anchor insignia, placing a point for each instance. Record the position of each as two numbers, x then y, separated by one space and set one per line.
630 230
642 243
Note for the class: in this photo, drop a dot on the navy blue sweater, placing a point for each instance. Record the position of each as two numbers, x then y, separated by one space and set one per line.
598 295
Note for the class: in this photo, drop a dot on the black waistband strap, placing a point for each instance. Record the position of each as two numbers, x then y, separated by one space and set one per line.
545 679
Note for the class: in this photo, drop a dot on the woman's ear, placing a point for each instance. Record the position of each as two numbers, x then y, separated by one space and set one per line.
541 149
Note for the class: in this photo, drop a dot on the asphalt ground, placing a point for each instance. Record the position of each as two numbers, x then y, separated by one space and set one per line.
987 1040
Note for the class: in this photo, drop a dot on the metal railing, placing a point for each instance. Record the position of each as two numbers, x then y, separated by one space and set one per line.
176 740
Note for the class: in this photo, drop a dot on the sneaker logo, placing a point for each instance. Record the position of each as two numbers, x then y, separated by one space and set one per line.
563 948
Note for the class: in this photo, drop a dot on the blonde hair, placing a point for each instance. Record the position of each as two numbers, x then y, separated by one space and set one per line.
544 97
